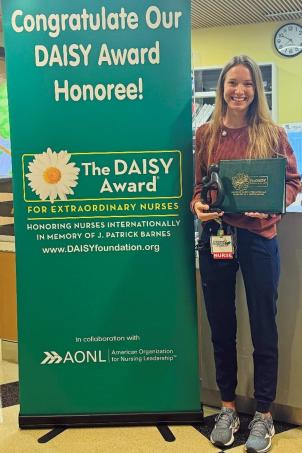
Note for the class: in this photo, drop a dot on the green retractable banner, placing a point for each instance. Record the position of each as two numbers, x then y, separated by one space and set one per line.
100 115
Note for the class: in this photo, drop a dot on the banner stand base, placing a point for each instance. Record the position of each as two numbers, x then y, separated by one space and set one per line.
51 434
166 433
132 419
163 429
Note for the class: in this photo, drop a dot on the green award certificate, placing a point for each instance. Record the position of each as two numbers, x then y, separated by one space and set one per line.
253 185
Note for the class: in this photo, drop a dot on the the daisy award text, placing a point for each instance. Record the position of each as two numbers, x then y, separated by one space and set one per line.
96 53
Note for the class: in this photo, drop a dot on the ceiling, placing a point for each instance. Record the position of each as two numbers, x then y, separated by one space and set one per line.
213 13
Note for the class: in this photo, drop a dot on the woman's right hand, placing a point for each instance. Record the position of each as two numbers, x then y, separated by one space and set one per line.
202 214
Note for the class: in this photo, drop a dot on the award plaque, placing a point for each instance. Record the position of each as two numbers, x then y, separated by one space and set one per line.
255 185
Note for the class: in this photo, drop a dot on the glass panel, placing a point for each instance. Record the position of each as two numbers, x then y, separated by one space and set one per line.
5 147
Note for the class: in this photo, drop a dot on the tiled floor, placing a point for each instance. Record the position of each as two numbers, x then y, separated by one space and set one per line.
115 440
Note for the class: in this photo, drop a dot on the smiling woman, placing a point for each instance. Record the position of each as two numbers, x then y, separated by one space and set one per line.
238 89
242 128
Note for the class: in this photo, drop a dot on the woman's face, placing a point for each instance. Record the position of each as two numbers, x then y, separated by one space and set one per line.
238 89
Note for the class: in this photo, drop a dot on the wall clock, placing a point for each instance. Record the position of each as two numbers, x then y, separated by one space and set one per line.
288 40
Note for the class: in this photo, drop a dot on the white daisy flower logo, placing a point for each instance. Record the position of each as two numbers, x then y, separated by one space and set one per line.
52 176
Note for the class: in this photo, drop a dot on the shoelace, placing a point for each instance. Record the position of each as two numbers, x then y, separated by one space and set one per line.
259 427
223 420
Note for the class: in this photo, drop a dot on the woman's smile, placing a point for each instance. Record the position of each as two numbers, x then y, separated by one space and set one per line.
239 89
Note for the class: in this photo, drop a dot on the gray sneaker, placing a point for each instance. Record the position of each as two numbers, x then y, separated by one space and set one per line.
227 424
262 431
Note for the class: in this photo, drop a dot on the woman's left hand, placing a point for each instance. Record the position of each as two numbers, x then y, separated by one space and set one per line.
259 215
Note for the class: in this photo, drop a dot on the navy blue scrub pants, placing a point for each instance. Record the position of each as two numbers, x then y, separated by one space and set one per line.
259 261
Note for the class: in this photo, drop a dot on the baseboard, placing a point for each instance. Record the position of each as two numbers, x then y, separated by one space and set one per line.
9 351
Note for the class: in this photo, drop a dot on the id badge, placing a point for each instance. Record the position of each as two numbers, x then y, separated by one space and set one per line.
222 247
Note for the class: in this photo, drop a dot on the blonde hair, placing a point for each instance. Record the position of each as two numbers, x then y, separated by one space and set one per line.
262 131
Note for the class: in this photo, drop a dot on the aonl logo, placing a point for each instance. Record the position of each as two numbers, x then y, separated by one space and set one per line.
77 357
